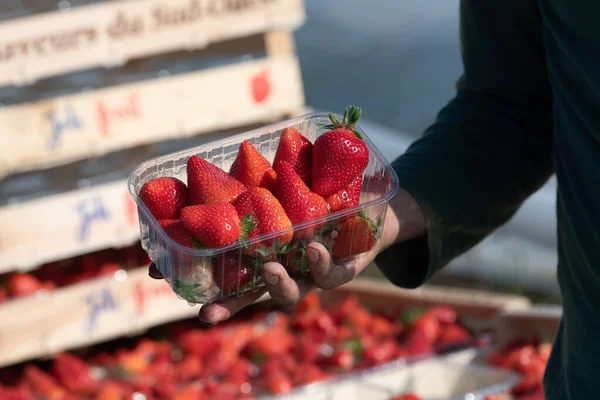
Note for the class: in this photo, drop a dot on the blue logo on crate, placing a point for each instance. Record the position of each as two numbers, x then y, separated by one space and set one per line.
90 210
61 123
99 302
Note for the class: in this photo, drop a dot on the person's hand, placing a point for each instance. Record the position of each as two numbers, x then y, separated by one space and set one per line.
404 220
324 274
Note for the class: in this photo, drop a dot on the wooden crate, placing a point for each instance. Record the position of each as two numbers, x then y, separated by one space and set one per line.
107 308
67 128
474 304
87 313
112 32
540 321
65 225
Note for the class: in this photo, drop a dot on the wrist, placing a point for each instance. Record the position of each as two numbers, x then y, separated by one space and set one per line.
404 220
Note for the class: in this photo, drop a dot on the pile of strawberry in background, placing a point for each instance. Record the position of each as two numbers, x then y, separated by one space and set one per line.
71 271
306 183
261 351
528 358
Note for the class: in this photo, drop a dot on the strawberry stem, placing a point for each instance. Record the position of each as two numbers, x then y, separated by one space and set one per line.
351 116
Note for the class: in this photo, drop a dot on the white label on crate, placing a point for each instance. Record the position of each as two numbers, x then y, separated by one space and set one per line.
110 33
74 127
61 226
85 314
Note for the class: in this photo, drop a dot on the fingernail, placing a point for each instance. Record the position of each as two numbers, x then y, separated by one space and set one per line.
206 324
152 274
272 279
313 255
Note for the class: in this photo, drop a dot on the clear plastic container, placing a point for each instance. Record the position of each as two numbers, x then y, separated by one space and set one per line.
193 273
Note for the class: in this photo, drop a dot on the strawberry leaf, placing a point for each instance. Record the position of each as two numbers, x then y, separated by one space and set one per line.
357 134
409 316
378 228
351 116
329 245
263 251
335 121
246 226
355 346
187 291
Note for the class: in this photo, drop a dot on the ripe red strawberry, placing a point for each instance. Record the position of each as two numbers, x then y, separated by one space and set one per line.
108 269
339 155
251 168
267 212
231 271
176 231
409 396
299 203
429 326
296 150
346 198
23 284
454 333
164 197
210 184
356 235
214 225
74 374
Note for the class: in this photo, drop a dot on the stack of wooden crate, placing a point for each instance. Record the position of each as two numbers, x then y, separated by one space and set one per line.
88 89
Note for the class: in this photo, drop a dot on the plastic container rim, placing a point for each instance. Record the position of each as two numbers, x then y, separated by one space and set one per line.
263 237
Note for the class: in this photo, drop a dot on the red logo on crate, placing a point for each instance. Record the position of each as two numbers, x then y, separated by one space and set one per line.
260 86
143 293
107 115
130 209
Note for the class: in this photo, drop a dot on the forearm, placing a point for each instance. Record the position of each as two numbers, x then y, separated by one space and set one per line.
488 150
467 176
404 220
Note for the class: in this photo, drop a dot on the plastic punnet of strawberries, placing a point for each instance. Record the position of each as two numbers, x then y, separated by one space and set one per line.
307 181
269 352
528 358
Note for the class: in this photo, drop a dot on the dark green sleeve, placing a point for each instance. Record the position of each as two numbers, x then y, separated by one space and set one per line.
490 147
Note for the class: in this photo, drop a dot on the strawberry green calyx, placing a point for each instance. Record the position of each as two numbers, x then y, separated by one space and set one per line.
351 116
355 346
247 225
187 291
278 248
409 316
376 227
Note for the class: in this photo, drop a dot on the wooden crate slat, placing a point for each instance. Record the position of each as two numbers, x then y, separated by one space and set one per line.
540 321
64 129
110 33
477 304
86 313
68 224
